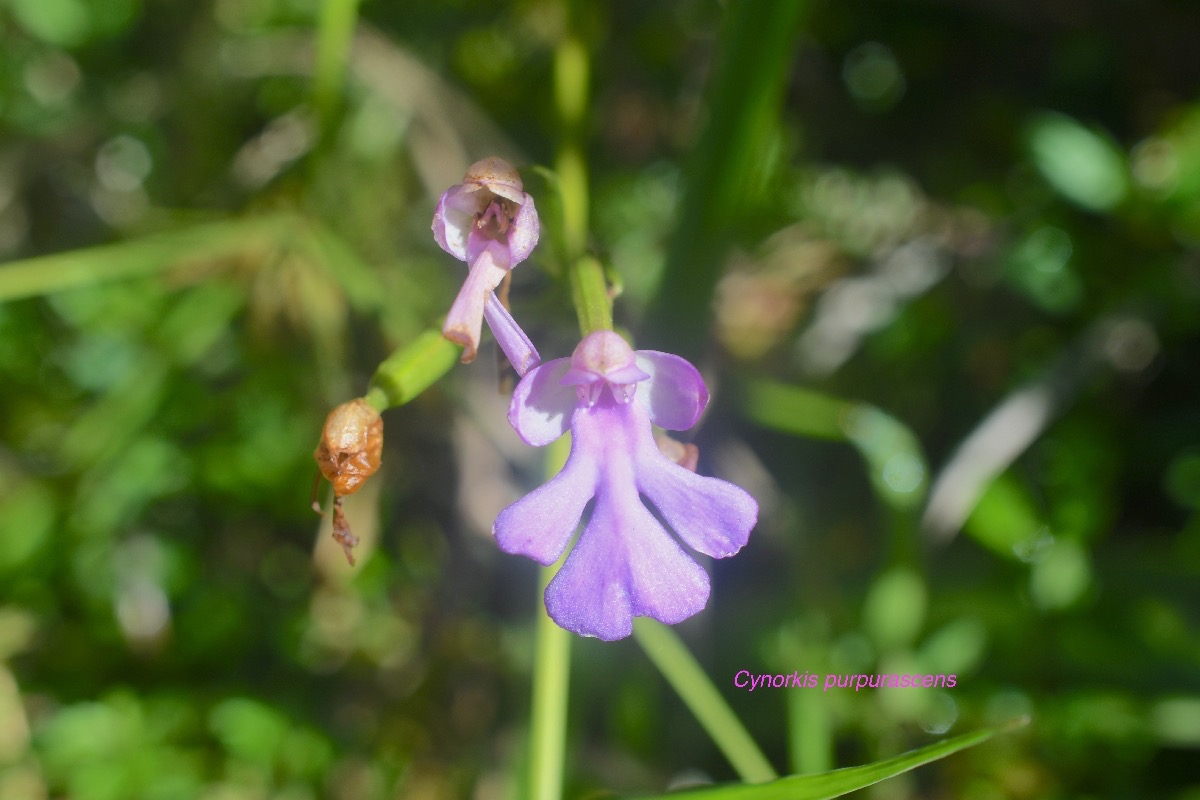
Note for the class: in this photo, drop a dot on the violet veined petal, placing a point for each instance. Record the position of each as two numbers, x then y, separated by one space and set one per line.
674 394
541 406
512 340
464 321
710 515
524 232
541 523
624 565
453 220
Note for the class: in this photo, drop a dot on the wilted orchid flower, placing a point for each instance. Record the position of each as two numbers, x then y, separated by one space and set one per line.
625 564
490 222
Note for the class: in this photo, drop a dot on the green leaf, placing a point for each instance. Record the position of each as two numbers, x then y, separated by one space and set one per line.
730 166
65 23
842 781
1005 520
1083 165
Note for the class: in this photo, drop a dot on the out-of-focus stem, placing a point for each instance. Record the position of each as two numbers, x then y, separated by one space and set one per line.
335 28
570 94
551 676
589 292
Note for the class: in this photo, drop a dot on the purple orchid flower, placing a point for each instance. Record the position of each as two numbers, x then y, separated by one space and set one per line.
625 564
491 223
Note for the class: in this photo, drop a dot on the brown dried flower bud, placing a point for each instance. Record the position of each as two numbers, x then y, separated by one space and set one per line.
351 446
349 452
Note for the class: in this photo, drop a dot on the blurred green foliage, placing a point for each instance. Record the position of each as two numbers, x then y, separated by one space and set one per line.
940 261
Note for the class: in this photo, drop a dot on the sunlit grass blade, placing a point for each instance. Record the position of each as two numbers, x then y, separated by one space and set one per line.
189 246
685 675
33 277
840 782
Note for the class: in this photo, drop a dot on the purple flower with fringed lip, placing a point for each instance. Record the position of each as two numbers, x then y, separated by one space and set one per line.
625 563
491 223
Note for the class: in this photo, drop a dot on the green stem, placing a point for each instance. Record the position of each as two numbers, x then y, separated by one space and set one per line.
335 29
664 648
589 293
573 184
551 675
411 370
570 94
810 740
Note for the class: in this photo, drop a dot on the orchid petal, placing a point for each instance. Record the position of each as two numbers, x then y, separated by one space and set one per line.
542 407
674 394
710 515
624 565
453 220
524 232
512 340
464 321
540 524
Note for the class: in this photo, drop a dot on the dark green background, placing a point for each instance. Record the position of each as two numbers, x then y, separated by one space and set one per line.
879 228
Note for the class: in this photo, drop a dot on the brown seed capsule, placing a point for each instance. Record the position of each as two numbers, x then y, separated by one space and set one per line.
349 452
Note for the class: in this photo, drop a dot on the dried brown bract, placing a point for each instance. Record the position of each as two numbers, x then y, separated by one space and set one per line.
350 451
